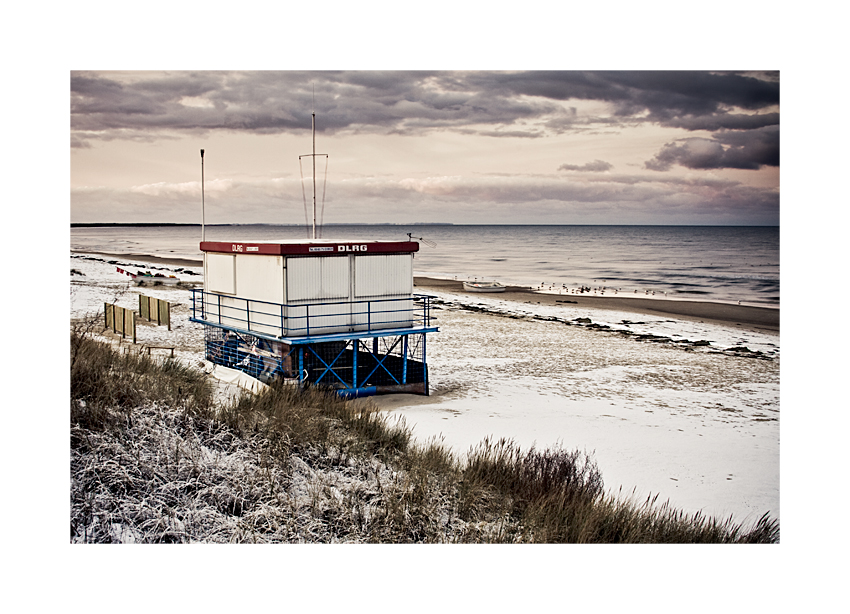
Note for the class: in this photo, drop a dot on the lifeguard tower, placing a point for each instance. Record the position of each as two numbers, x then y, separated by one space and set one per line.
341 314
336 313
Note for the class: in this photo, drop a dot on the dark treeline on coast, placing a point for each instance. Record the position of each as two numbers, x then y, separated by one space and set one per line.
128 224
170 224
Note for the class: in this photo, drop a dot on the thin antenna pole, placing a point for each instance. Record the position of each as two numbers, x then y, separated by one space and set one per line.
203 230
313 155
314 175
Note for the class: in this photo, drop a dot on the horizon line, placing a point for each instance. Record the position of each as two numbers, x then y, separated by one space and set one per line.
151 224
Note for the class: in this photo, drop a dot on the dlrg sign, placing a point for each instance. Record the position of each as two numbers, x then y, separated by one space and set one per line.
351 248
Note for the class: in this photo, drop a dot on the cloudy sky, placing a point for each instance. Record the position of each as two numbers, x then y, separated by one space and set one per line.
633 147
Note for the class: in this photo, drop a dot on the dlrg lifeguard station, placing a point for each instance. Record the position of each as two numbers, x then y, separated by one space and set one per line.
341 314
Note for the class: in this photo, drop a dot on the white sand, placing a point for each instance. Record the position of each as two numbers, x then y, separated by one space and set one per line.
698 427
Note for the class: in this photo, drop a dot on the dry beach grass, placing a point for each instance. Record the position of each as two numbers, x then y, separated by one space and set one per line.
154 459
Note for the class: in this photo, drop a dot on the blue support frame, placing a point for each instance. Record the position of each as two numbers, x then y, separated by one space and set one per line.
329 367
381 362
334 359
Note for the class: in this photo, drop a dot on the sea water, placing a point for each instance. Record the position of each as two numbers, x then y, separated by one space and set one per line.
710 263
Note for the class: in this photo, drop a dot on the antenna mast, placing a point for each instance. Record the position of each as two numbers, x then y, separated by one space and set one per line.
203 231
313 155
314 175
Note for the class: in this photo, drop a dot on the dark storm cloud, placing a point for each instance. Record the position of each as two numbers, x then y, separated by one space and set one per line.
597 166
672 94
281 101
725 121
665 95
743 150
117 105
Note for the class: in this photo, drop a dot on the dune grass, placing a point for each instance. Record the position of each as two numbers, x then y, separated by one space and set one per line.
153 459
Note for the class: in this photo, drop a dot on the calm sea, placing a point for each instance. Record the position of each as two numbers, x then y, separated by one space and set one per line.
714 263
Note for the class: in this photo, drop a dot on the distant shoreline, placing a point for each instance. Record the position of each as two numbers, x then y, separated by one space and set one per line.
762 319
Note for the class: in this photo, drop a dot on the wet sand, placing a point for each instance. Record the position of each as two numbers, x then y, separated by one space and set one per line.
763 319
180 262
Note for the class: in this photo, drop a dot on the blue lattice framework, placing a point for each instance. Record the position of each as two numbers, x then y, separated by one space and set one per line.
374 357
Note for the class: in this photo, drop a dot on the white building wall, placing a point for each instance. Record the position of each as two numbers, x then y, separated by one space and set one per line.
226 310
260 278
353 282
220 273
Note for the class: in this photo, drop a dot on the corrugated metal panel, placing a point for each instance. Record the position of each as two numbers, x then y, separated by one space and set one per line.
317 279
259 278
220 273
383 275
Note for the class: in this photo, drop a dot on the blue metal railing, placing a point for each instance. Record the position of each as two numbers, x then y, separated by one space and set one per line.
299 320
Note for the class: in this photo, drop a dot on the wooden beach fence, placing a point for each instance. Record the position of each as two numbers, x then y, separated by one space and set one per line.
120 320
155 310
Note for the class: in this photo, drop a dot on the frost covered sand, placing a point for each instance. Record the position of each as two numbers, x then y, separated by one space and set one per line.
97 281
696 422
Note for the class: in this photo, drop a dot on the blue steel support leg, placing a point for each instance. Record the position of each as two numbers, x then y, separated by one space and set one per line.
301 377
354 368
404 363
425 365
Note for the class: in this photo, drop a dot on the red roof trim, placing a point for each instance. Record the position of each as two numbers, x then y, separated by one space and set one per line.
312 249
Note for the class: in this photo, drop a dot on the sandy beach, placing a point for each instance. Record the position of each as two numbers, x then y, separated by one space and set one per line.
747 317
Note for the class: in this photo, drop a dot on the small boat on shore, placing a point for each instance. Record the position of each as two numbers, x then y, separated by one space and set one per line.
483 286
